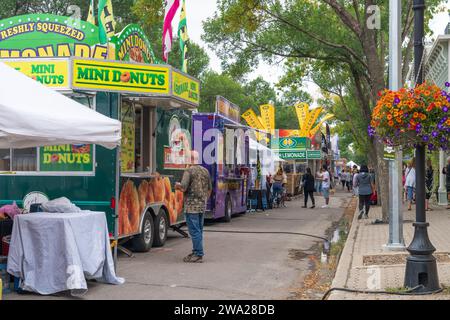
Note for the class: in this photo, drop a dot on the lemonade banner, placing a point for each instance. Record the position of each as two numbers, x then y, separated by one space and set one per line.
310 120
47 36
120 77
186 88
268 116
316 128
302 110
53 73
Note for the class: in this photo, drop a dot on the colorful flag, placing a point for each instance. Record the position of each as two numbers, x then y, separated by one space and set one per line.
313 115
106 22
316 128
268 116
171 7
302 110
183 37
90 17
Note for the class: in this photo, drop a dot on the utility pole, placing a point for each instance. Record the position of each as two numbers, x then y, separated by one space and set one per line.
395 241
421 267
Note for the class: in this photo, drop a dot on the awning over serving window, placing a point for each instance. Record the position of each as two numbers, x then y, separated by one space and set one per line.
33 115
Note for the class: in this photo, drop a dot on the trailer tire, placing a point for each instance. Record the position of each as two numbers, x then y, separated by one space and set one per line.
161 228
228 209
144 241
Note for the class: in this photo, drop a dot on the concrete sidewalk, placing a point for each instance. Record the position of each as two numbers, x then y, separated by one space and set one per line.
366 265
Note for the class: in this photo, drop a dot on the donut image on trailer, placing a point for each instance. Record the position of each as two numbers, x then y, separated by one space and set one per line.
179 198
167 188
143 192
150 198
159 191
129 208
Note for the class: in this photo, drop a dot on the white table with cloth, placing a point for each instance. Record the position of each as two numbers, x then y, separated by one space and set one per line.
54 252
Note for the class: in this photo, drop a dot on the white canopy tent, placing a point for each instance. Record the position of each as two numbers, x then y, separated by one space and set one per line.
268 157
33 115
351 164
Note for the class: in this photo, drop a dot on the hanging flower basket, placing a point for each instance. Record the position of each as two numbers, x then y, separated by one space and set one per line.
408 117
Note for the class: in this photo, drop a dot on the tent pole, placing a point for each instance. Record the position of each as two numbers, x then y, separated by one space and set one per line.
116 209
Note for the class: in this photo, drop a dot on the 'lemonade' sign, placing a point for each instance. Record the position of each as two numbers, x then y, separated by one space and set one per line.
50 72
120 77
185 88
47 35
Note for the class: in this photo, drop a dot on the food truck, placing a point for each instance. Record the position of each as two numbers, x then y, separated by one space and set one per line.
223 145
122 79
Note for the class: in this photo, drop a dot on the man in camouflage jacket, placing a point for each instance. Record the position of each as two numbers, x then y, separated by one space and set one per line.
196 185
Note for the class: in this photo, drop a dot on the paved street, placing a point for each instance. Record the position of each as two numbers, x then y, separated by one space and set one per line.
236 266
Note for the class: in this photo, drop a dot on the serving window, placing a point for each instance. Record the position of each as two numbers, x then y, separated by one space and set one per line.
50 160
138 140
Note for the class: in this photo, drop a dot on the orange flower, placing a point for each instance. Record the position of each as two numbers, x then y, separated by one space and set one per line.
391 123
415 115
389 116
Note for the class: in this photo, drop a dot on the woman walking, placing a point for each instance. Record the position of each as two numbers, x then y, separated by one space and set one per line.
343 178
428 185
318 179
308 187
366 186
348 180
410 183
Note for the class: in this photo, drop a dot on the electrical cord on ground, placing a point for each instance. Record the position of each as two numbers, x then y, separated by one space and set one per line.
268 232
409 292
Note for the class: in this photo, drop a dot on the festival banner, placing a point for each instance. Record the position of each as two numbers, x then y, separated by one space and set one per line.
252 119
90 17
183 37
268 116
317 127
310 120
170 9
302 110
106 21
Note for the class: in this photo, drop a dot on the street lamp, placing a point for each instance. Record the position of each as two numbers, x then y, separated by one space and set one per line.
421 268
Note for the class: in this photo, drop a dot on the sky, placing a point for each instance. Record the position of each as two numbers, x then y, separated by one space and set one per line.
199 10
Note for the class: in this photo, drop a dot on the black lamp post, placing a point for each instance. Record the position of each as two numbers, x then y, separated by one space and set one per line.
421 268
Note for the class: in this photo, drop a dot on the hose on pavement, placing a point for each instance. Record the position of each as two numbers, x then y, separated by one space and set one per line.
409 292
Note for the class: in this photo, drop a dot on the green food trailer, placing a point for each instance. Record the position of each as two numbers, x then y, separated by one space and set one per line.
133 185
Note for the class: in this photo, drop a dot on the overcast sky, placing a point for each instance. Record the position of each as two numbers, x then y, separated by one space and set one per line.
199 10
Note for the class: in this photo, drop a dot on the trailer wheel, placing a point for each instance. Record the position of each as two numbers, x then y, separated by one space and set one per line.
228 209
144 241
161 228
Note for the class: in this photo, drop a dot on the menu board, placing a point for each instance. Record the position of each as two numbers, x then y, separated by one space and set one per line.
127 156
67 158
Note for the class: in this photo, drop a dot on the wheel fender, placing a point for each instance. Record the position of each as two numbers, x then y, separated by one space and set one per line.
153 209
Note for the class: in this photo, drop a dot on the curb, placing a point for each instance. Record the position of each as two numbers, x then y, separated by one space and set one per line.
345 262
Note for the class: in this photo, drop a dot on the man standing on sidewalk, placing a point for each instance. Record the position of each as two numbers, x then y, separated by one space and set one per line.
196 185
326 184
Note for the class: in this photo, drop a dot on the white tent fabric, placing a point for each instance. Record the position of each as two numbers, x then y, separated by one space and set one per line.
351 164
267 157
33 115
